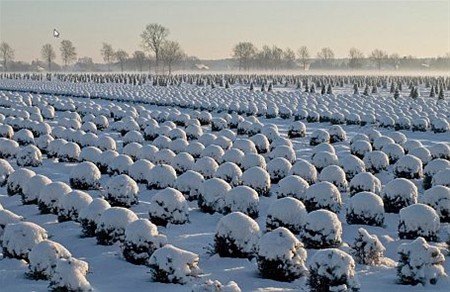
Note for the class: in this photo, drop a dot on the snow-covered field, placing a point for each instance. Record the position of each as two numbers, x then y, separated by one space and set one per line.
189 158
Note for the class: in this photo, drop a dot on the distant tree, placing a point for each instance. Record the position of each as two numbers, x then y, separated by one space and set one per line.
121 56
303 56
244 52
7 54
152 39
289 58
48 54
356 58
379 57
108 54
171 53
139 59
326 56
68 52
394 60
85 64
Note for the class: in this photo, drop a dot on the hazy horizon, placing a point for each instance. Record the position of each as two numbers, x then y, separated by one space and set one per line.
209 29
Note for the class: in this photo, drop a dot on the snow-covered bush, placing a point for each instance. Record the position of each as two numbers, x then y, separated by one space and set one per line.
278 168
132 150
229 172
296 130
206 166
352 165
5 171
85 176
70 275
332 270
365 181
242 199
397 194
376 161
286 212
170 264
262 144
394 152
50 195
440 150
381 142
441 178
69 152
105 143
422 153
236 235
43 141
139 170
292 186
258 179
322 229
323 159
54 146
318 137
251 160
29 156
43 258
284 151
122 191
195 149
420 263
216 286
24 137
438 197
365 208
91 154
168 206
212 195
141 240
31 190
335 175
433 167
281 256
20 238
440 125
189 184
17 181
305 170
7 217
105 160
367 248
337 134
119 164
409 167
8 148
89 216
360 148
71 204
418 220
182 162
161 176
233 155
322 195
112 223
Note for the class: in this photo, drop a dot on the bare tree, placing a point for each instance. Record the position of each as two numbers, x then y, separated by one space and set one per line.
289 58
48 54
303 56
139 59
394 60
171 53
68 52
7 54
121 56
152 39
379 57
326 56
355 58
108 54
244 52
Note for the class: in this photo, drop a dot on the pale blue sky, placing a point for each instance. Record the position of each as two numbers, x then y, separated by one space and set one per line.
209 29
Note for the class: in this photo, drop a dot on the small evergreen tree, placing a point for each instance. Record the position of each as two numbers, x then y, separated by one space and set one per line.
355 89
432 94
396 93
329 89
441 94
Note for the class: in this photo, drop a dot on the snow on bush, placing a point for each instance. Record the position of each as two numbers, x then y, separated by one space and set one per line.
332 270
352 165
399 193
365 181
319 136
195 149
189 184
69 152
212 194
229 172
433 167
119 164
440 150
90 214
20 238
85 176
236 235
179 145
322 195
43 258
234 155
278 168
365 208
105 143
141 240
170 264
182 162
8 148
305 170
122 191
296 129
91 154
251 160
258 179
17 181
286 212
394 152
70 275
292 186
50 195
420 263
206 166
335 175
112 223
337 134
168 206
32 189
147 152
138 171
5 171
381 142
441 178
164 156
24 137
54 146
281 256
161 176
323 159
242 199
418 220
284 151
29 156
43 141
71 204
367 248
132 150
376 161
409 167
7 217
322 229
360 148
438 197
440 125
216 286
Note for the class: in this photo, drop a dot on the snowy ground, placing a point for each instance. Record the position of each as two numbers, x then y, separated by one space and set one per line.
110 272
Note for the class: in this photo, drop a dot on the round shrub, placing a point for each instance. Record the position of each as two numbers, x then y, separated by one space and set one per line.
29 156
394 152
322 195
189 184
319 136
323 159
441 178
296 130
409 167
292 186
242 199
365 208
305 170
360 148
168 206
337 134
367 248
17 181
433 167
161 176
69 152
212 195
138 171
322 229
70 275
278 168
119 164
112 223
376 161
85 176
352 165
257 179
286 212
89 216
182 162
206 166
32 189
50 195
251 160
365 182
43 258
122 191
335 175
399 193
5 171
418 220
438 197
20 238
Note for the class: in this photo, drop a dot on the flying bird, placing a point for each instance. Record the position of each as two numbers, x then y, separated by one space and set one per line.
55 33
